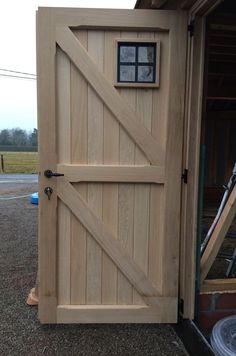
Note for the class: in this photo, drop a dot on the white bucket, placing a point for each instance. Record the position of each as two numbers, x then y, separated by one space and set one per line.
223 338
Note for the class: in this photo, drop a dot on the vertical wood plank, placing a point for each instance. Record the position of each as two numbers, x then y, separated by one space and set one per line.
193 117
79 147
126 214
95 155
63 134
126 195
142 191
110 191
183 243
159 127
46 49
173 159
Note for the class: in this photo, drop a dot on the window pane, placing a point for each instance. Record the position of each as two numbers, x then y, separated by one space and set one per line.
127 54
145 74
146 54
127 73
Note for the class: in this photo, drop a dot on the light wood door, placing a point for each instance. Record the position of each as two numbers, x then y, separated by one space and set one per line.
109 235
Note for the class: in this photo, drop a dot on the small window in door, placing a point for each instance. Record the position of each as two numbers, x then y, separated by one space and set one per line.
138 63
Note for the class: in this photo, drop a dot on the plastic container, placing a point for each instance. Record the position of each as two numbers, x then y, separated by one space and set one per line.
223 338
34 198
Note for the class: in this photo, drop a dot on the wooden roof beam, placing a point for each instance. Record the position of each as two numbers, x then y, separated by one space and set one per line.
173 4
150 4
157 4
186 4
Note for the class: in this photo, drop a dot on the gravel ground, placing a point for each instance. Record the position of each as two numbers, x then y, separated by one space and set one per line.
20 330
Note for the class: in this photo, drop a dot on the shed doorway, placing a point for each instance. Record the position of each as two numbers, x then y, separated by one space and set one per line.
218 144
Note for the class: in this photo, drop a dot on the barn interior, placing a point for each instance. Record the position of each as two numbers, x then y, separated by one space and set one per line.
218 138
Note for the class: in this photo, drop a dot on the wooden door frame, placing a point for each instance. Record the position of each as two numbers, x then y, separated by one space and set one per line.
47 21
191 154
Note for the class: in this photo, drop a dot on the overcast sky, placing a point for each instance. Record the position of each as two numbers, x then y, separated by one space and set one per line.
18 107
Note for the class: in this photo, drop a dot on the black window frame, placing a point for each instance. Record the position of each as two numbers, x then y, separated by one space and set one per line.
136 63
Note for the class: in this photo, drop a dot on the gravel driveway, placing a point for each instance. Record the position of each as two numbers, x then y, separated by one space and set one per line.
20 330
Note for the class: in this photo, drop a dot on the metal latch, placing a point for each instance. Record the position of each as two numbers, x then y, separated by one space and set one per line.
184 176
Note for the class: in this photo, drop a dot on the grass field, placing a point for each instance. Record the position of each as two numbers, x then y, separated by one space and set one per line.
19 162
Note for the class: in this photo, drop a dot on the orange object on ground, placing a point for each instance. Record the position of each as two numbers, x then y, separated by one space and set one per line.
32 299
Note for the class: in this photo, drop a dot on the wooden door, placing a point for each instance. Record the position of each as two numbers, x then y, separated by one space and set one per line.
109 235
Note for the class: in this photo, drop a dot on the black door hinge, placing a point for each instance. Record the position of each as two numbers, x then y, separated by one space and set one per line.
185 176
191 28
181 306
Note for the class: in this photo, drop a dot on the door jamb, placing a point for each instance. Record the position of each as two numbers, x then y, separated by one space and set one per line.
191 154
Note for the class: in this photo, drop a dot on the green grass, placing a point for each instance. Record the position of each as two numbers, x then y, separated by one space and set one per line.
20 162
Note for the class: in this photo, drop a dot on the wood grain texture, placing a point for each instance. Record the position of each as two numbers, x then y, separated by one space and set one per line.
79 149
192 134
105 239
95 156
120 108
110 173
110 191
46 49
64 156
173 161
142 192
159 132
126 194
218 285
127 20
163 311
118 205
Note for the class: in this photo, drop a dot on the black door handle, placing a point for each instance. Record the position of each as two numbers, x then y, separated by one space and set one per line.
49 174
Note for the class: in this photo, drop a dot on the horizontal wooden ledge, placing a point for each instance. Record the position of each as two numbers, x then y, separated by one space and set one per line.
112 18
166 311
219 285
112 173
226 98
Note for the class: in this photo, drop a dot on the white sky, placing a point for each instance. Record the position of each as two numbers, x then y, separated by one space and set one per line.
18 107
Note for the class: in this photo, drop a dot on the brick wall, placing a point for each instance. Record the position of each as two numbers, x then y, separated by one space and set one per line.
213 307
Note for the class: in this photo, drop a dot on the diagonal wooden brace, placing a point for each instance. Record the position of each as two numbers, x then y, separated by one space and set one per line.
72 199
109 95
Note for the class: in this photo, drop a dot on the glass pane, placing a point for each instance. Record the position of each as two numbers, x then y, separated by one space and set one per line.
145 74
127 54
127 73
146 54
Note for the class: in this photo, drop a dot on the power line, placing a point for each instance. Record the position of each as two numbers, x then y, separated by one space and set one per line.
15 71
16 76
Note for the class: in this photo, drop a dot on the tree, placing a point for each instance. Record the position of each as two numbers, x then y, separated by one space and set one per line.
33 138
19 137
5 137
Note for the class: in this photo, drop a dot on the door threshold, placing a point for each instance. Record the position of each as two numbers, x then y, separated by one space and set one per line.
194 341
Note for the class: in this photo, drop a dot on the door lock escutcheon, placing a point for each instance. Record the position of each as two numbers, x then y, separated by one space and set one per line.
48 191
